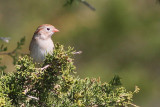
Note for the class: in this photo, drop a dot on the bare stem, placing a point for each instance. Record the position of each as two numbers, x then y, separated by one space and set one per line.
79 52
88 5
45 67
9 53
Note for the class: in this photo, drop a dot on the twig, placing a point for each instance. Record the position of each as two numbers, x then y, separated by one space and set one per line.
8 53
19 44
133 105
88 5
45 67
41 69
158 1
79 52
33 97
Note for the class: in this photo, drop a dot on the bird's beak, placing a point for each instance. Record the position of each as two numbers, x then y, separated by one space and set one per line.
55 30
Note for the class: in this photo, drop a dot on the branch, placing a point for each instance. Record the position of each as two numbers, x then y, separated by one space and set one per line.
79 52
69 2
45 67
14 53
88 5
32 97
133 105
19 45
8 53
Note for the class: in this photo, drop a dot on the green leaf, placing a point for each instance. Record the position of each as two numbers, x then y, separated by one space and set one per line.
115 81
5 49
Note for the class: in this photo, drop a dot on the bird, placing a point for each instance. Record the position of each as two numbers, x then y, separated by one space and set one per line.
41 43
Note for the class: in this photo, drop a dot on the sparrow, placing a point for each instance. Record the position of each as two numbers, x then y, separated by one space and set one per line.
41 43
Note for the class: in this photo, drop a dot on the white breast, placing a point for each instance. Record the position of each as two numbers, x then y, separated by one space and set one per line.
40 49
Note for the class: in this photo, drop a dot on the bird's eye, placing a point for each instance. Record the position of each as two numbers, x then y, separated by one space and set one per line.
48 29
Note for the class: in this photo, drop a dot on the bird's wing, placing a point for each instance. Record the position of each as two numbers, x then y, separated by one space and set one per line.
32 44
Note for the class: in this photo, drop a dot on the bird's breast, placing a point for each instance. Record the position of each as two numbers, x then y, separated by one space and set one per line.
41 49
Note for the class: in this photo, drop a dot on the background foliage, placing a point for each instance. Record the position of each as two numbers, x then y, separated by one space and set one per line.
120 37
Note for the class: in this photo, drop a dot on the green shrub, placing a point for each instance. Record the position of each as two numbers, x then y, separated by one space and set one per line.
54 85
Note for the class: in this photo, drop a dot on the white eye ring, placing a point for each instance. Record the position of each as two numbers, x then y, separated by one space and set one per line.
48 29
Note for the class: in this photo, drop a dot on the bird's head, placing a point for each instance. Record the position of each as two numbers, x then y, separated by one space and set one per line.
45 31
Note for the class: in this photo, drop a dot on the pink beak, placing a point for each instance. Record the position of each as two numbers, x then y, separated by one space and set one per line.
55 30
